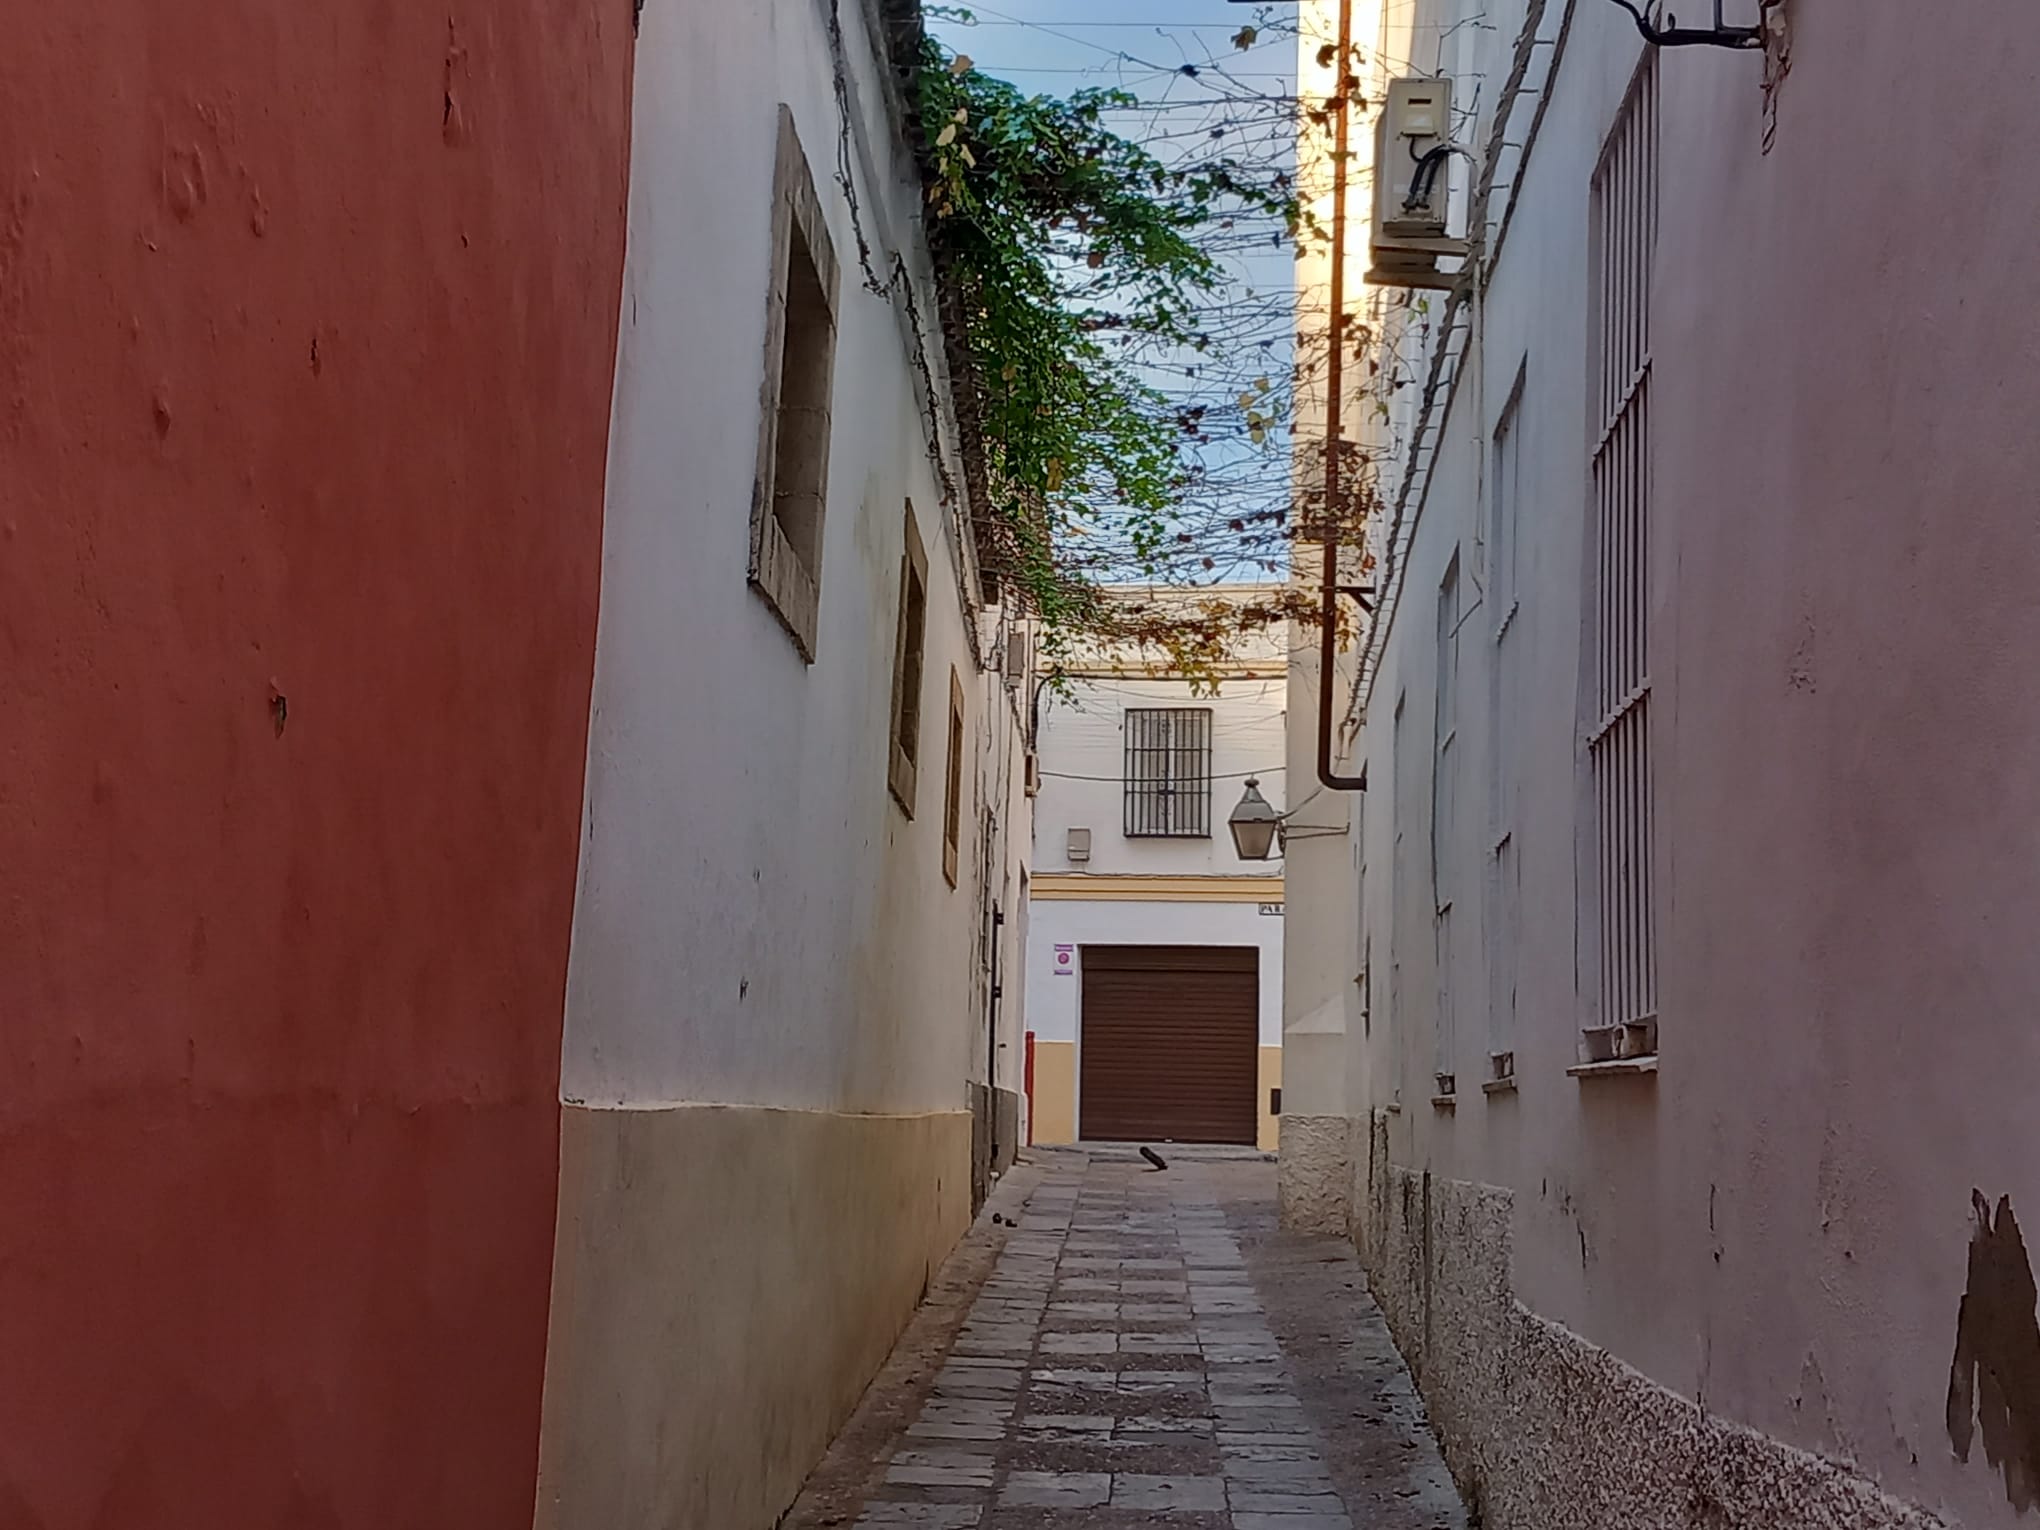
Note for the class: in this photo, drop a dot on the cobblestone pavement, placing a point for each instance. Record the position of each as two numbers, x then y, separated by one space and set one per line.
1140 1348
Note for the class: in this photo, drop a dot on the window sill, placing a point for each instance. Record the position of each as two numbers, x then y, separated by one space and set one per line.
1444 1102
1614 1067
1500 1085
785 584
901 777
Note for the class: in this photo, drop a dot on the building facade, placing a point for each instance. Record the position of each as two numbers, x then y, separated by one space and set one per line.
513 907
1689 1127
1322 863
1154 968
307 333
804 799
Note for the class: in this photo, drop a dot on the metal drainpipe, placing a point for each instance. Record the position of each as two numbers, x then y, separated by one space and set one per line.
992 1039
1328 604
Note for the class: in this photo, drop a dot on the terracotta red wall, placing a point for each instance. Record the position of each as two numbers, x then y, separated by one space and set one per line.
308 318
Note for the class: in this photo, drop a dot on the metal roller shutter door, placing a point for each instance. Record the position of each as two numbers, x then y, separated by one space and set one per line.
1171 1043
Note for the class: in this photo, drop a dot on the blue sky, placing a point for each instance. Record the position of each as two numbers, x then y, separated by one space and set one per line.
1200 95
1056 45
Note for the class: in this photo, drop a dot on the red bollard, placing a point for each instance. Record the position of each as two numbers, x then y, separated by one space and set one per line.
1029 1085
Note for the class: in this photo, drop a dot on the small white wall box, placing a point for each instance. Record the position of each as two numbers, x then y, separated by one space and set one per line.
1080 845
1016 657
1413 183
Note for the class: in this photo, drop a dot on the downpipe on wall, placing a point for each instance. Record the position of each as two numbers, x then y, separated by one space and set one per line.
1328 598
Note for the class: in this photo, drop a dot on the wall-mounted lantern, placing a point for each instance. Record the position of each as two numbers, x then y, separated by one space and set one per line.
1254 824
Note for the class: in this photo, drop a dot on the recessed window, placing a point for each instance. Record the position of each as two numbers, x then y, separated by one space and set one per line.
904 752
1168 773
1445 732
952 789
1446 1039
1365 983
789 498
1505 496
1619 898
1502 916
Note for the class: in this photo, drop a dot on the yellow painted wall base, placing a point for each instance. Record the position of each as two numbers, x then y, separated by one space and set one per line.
1270 1078
1091 887
1055 1094
726 1281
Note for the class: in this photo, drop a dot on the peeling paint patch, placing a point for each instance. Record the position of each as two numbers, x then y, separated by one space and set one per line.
184 181
1994 1382
453 126
14 305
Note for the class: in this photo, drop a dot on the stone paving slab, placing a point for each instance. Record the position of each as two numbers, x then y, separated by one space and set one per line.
1125 1361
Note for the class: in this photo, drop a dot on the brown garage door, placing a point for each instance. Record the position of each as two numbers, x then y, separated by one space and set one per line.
1170 1040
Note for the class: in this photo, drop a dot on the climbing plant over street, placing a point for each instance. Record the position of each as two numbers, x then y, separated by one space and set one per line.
1111 414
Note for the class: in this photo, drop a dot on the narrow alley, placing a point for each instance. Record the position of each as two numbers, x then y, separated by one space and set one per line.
1117 1345
669 671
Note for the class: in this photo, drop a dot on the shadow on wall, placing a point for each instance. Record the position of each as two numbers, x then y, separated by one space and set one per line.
1994 1382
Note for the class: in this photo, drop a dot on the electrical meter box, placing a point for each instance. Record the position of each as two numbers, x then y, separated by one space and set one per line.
1412 160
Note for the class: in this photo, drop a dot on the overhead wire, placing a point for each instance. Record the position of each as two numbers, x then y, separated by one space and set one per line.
1231 516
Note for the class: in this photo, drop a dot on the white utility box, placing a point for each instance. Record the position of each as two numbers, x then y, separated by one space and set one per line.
1413 160
1413 165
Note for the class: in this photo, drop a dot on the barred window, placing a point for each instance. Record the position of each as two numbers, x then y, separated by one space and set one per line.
1168 773
1502 917
1444 734
1624 880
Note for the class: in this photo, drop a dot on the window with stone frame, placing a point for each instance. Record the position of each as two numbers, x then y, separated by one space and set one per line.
789 497
903 751
952 788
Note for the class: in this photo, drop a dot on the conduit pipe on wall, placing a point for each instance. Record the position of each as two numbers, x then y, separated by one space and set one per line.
1328 596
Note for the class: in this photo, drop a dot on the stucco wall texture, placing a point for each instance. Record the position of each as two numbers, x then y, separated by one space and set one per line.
755 910
1315 1178
307 326
776 1004
1545 1430
730 1278
1777 1223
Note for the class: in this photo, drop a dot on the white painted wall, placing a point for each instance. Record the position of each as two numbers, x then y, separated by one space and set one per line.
1052 1000
1082 744
757 921
1001 757
1430 1009
1776 1222
1323 954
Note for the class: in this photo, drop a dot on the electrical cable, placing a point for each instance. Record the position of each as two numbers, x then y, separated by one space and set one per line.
1429 165
1222 775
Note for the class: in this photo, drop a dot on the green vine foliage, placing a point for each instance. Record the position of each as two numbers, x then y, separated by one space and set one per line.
1068 254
